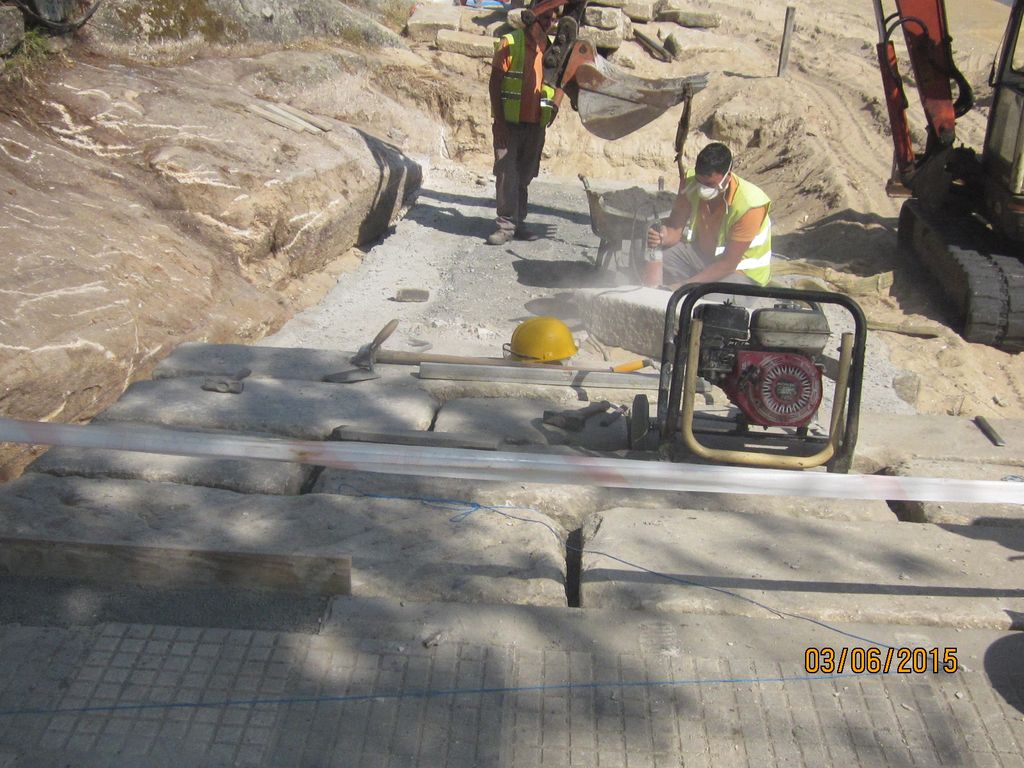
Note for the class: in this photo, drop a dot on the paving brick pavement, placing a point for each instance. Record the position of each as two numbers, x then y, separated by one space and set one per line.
150 695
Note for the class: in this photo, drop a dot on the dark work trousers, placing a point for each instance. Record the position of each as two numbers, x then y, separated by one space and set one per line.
515 166
682 260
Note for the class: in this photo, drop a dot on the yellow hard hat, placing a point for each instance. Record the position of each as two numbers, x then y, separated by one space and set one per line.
543 339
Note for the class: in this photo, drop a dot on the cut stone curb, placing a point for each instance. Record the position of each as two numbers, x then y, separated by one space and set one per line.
481 21
608 39
274 477
687 18
397 548
888 439
428 19
571 504
958 513
465 43
299 409
884 573
640 10
601 17
230 360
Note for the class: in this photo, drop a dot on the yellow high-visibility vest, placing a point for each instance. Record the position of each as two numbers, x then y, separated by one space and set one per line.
512 82
757 259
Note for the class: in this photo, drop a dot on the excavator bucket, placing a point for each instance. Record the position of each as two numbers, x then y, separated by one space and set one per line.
613 103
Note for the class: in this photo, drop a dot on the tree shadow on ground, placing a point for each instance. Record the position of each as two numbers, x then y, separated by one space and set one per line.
1002 666
450 220
487 201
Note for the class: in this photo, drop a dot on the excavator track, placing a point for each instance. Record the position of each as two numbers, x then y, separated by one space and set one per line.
985 287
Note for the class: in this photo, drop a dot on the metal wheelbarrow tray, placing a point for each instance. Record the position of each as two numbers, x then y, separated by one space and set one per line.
624 215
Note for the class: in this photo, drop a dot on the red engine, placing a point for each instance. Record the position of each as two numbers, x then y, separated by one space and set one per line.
765 363
774 389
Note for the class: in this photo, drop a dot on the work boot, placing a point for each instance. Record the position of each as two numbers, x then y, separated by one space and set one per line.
499 237
525 233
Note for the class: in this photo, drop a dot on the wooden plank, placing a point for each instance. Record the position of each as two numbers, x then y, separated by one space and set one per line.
275 118
307 126
787 34
552 376
319 122
175 567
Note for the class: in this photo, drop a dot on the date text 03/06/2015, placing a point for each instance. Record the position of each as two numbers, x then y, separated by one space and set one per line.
874 660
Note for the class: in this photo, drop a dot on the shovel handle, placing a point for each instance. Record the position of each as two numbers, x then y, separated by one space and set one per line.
383 334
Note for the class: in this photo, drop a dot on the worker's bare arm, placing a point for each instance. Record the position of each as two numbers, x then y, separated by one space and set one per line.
672 231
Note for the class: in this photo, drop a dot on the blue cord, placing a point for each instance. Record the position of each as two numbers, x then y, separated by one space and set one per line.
425 694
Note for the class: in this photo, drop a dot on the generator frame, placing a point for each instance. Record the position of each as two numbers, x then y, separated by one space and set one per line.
677 383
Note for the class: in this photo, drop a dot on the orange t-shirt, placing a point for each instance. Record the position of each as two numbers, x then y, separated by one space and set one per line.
533 77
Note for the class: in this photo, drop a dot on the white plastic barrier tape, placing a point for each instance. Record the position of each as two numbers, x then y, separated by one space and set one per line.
518 467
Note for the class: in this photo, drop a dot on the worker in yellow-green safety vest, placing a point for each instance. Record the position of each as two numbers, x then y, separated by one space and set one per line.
522 107
719 229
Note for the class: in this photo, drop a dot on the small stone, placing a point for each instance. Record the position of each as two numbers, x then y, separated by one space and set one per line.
624 60
959 694
412 294
907 387
268 13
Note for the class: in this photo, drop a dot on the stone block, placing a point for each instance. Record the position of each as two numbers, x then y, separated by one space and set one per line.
607 3
958 513
633 320
827 570
428 20
300 409
602 17
674 45
480 21
274 477
465 43
693 19
177 535
609 39
640 10
12 29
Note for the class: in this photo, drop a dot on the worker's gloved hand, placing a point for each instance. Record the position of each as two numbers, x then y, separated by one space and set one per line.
655 237
500 130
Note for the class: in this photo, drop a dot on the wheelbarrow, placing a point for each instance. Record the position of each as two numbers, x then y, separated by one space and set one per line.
623 216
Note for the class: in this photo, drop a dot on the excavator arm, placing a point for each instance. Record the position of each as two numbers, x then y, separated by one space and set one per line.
926 33
965 223
611 103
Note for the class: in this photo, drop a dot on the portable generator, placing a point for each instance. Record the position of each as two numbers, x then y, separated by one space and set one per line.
771 364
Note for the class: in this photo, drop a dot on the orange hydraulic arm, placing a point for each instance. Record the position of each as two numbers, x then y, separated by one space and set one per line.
928 45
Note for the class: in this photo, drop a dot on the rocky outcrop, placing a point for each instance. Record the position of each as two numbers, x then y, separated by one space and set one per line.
145 206
12 29
147 29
